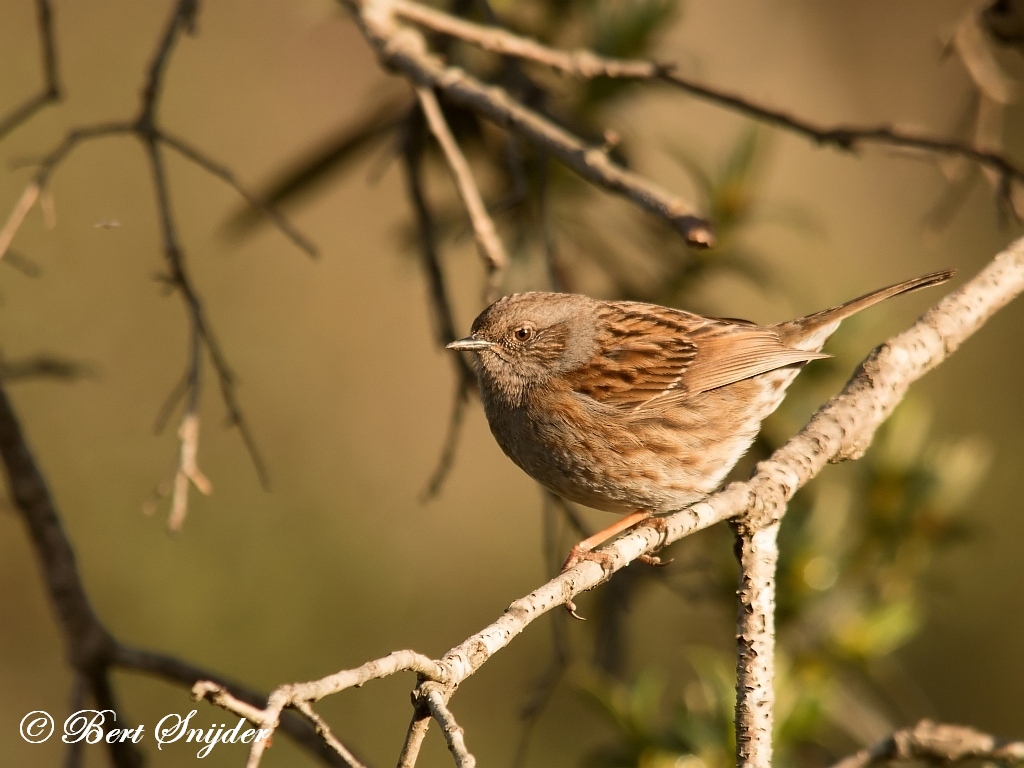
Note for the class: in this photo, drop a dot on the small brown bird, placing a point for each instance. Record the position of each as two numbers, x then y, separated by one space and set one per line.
636 408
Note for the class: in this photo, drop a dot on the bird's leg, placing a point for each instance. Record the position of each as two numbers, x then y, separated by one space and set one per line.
585 549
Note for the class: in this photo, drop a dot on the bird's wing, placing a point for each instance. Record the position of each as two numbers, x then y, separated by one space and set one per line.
653 356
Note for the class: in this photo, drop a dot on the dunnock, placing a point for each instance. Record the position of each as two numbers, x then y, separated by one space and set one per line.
631 407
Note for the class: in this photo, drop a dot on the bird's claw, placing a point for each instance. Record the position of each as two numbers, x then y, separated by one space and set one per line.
570 606
655 560
577 555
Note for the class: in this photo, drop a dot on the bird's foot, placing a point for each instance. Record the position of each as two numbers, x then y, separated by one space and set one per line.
660 524
579 554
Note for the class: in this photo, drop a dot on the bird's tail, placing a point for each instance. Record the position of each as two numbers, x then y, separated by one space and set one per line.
819 326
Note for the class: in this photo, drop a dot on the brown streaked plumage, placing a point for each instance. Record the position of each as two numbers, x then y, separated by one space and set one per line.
628 407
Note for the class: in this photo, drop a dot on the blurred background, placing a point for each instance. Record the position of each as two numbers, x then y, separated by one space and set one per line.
902 585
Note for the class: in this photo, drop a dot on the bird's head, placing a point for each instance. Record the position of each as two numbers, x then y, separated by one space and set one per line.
526 339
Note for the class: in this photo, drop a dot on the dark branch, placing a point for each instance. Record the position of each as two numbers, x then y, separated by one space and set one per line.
91 649
50 91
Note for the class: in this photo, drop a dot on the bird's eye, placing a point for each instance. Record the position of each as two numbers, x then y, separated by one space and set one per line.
523 333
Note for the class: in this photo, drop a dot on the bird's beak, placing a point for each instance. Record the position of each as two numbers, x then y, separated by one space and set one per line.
469 344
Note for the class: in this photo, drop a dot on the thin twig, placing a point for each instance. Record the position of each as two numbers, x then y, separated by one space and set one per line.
453 733
487 240
50 92
295 693
325 732
412 141
224 173
446 460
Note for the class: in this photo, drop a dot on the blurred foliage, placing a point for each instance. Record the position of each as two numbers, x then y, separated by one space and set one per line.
856 545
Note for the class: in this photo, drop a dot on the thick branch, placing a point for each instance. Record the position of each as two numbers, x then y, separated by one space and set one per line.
755 640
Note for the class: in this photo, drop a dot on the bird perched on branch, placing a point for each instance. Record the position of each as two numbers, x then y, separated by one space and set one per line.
636 408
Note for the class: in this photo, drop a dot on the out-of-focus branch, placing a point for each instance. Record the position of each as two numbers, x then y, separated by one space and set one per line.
225 174
403 48
936 743
146 128
50 92
41 367
842 429
412 144
92 651
579 63
487 240
586 64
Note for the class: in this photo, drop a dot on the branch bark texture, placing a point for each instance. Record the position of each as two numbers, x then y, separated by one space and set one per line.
755 641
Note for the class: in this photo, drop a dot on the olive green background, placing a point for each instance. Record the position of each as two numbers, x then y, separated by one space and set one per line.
349 398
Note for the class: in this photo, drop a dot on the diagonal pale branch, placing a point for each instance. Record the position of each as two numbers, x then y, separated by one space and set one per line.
487 240
404 48
841 429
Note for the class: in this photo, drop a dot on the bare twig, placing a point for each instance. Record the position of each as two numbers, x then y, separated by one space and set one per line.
453 733
487 240
50 91
412 140
414 737
404 48
324 730
446 460
936 742
842 429
224 173
21 208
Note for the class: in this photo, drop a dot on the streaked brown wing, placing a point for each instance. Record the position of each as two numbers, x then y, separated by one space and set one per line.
654 356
